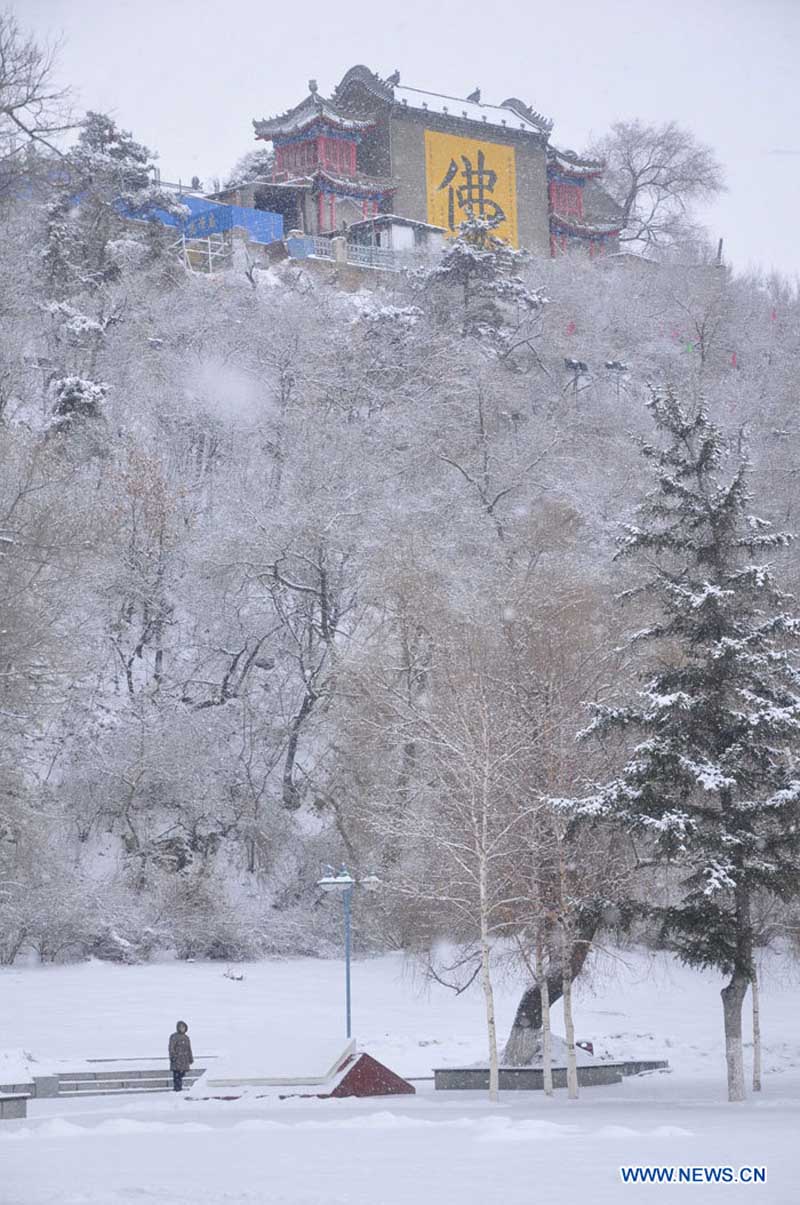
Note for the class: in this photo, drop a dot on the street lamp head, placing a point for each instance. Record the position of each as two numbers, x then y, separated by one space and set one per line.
336 880
370 882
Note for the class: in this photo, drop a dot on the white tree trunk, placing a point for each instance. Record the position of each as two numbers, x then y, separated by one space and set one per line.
756 1032
547 1044
488 993
733 995
547 1047
569 1028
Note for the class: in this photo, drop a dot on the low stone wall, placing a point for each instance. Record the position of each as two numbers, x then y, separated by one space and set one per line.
639 1066
530 1079
16 1089
523 1079
13 1105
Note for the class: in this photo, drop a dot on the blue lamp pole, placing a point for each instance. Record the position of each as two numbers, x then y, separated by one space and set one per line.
347 900
342 882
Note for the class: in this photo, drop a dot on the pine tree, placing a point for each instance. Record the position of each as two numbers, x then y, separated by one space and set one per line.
106 180
496 302
712 788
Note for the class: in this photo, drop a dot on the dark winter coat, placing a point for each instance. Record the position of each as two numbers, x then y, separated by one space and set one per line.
180 1051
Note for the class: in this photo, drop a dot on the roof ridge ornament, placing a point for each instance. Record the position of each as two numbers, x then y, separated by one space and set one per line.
519 106
371 81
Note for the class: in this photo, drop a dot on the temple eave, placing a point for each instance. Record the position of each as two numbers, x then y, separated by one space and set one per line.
326 181
587 230
269 131
566 163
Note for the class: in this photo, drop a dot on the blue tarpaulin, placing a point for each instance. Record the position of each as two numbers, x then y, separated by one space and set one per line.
262 225
208 217
300 248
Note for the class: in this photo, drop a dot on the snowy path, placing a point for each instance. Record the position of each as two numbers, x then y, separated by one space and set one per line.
435 1149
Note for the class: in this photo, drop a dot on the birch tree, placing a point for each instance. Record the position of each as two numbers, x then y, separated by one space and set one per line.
465 828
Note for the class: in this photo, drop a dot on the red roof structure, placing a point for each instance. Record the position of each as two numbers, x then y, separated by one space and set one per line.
352 1073
365 1076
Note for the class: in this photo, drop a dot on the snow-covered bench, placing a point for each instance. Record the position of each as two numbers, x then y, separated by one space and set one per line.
13 1105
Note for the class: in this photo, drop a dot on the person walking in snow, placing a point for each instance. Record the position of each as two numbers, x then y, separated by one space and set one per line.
180 1054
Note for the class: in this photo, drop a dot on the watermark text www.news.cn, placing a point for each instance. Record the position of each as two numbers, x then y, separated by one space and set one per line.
693 1175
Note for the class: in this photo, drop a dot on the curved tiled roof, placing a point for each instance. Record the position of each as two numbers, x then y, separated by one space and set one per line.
313 109
372 82
357 185
582 229
519 106
513 114
570 164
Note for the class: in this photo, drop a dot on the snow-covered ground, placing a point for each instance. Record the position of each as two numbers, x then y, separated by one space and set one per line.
437 1148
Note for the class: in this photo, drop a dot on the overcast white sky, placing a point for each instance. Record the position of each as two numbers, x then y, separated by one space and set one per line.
188 77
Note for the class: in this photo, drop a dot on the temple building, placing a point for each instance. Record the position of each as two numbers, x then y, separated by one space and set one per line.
581 212
392 161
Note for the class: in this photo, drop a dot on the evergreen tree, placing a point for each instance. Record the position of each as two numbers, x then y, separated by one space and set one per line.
497 304
712 788
106 180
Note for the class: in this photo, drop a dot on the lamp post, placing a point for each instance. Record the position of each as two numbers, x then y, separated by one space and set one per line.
341 882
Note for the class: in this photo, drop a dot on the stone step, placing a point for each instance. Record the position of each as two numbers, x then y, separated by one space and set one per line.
115 1091
133 1074
118 1082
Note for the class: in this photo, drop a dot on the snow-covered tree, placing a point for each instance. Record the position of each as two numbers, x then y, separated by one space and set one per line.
255 165
105 185
656 173
75 399
711 791
33 108
466 824
498 306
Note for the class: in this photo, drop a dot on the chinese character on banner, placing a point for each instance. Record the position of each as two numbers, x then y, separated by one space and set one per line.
472 197
467 177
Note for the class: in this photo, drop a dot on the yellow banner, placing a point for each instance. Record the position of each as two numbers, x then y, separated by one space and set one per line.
464 174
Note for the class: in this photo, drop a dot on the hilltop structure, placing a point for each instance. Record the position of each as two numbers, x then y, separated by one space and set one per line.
378 148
